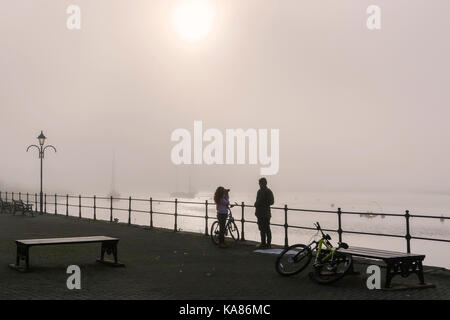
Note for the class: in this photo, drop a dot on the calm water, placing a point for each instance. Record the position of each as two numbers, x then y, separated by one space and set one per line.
423 204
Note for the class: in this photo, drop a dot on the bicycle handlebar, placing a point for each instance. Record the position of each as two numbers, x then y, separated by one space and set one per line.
317 224
325 236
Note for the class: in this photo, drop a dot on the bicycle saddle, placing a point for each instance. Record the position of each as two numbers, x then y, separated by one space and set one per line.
343 245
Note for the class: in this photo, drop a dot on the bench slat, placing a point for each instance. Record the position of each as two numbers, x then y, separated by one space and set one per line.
377 254
383 252
380 251
65 240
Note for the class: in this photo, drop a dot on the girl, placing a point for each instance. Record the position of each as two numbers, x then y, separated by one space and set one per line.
221 198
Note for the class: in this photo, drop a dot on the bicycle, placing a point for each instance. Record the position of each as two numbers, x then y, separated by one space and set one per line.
230 228
329 265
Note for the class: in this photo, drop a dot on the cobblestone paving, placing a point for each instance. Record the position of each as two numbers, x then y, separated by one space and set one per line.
161 264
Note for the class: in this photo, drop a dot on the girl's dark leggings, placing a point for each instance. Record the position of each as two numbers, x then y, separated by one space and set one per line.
222 218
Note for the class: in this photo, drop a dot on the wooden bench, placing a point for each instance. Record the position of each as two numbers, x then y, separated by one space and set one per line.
397 263
19 205
109 245
5 205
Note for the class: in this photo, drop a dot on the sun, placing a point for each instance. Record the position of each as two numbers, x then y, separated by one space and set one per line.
193 19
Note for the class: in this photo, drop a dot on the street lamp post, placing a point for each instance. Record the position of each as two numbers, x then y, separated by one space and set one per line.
41 150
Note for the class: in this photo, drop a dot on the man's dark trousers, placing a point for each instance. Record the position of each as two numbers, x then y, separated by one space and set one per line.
264 229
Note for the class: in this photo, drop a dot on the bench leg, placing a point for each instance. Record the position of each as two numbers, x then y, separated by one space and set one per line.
27 260
388 275
420 272
102 252
26 256
22 254
110 248
115 252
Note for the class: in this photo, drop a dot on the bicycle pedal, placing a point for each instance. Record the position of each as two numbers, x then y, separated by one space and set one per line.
331 269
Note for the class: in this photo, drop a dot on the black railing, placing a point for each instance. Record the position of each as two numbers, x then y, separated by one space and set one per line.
5 196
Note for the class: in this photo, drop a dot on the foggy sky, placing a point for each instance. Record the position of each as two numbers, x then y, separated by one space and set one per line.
357 109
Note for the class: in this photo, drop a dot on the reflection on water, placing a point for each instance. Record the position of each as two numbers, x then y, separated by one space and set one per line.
366 219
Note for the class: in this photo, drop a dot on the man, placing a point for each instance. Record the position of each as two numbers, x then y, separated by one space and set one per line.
264 199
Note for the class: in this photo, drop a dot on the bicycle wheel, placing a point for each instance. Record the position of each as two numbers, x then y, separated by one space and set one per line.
293 260
214 234
233 230
331 271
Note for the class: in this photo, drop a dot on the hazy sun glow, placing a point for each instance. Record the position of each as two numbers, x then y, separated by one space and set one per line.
193 19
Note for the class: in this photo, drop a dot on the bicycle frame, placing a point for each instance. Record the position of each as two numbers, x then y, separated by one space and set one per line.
323 242
230 227
329 263
230 216
230 219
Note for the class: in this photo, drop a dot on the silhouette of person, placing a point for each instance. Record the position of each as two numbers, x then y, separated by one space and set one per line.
222 200
264 199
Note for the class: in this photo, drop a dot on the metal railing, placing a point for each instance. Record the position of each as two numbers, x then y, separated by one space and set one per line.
66 204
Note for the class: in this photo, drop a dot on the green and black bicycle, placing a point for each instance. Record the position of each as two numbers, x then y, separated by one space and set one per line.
329 265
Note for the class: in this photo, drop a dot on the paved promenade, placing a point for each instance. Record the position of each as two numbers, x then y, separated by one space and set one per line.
161 264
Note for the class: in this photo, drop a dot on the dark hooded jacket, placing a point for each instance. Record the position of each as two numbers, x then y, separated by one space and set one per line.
264 199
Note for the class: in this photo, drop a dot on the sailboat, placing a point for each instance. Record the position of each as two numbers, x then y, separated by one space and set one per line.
189 194
113 193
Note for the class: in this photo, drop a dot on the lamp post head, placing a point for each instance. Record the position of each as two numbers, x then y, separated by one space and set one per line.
41 139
